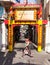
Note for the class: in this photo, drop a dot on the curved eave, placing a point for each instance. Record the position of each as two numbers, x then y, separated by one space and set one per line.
6 3
24 6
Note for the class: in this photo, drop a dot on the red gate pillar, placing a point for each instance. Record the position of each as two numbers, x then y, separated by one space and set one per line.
10 37
39 38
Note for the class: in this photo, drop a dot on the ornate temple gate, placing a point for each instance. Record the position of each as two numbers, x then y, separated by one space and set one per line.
25 15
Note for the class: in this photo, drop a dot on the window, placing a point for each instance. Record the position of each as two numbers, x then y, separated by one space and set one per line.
1 11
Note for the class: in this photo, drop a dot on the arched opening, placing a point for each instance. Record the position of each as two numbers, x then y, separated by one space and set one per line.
19 32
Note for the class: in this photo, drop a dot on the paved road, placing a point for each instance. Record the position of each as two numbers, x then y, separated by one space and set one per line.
15 58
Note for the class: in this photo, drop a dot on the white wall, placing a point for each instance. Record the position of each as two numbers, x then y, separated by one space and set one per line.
47 41
3 33
47 48
0 36
45 2
4 37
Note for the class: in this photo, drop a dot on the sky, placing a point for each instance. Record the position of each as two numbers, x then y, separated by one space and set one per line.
29 1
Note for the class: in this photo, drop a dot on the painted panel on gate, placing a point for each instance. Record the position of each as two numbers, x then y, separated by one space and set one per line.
24 15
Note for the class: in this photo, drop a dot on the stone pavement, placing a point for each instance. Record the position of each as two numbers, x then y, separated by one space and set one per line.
15 58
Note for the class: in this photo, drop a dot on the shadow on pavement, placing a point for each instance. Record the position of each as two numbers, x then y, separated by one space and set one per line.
7 60
24 64
1 57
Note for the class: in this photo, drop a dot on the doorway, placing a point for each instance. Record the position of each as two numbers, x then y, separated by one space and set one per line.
20 31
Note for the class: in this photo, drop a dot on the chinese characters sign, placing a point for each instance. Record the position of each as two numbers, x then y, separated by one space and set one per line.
24 15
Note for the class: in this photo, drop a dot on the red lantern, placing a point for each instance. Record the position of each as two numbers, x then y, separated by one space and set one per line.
45 21
6 21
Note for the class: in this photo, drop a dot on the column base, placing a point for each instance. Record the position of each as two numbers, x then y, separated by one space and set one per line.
10 48
39 49
3 49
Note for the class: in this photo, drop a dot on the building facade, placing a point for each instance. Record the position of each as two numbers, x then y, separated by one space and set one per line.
3 30
47 16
